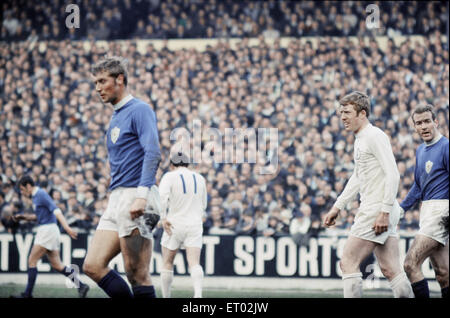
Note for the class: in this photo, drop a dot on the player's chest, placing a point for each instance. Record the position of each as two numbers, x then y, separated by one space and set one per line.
120 130
362 154
430 161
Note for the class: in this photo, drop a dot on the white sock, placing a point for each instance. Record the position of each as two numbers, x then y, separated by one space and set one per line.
166 282
197 280
352 285
401 286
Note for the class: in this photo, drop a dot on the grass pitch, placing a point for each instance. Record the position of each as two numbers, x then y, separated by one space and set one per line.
61 291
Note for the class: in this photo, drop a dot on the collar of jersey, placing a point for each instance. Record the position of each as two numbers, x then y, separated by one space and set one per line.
124 100
35 190
431 143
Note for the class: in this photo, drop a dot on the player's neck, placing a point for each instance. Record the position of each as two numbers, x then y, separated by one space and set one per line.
121 100
364 124
434 140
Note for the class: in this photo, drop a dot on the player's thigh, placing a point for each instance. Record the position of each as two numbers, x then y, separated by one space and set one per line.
136 251
193 255
36 254
388 257
439 260
168 256
103 247
421 248
355 251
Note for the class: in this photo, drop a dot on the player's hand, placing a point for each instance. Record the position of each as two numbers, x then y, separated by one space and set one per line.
381 223
167 226
137 208
73 234
17 217
330 218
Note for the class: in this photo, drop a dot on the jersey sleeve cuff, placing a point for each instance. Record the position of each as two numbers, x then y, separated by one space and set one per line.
340 205
142 192
387 208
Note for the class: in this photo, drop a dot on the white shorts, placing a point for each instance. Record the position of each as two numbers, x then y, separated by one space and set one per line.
183 236
48 236
117 215
431 214
365 219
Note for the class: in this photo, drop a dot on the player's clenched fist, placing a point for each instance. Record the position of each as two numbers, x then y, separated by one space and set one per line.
330 218
137 208
167 226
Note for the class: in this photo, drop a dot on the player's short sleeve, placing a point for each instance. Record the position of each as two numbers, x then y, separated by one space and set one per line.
47 201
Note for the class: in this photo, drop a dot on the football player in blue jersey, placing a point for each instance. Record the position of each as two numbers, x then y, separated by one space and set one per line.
47 239
431 187
134 205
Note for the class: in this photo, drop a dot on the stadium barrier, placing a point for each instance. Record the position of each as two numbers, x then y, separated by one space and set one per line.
222 256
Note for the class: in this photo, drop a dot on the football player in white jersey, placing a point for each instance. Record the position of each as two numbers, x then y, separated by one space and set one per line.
183 202
376 179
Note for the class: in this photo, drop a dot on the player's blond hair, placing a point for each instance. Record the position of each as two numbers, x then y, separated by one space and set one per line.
114 65
358 100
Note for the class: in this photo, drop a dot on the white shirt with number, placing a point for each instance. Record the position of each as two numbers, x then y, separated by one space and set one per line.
183 196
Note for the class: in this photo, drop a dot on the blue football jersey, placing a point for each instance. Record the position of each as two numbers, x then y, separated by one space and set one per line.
431 174
43 207
133 145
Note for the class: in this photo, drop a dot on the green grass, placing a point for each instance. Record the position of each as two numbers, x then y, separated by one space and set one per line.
61 291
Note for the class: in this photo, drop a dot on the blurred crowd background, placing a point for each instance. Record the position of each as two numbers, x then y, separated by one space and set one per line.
53 124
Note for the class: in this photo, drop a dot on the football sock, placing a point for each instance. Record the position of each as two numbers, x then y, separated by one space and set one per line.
32 273
420 289
401 287
144 292
197 280
114 285
166 282
70 273
444 292
352 285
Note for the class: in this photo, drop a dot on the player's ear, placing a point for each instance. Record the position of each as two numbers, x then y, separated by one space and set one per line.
119 79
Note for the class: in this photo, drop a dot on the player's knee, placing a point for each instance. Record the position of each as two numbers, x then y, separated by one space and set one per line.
409 266
90 269
442 276
388 272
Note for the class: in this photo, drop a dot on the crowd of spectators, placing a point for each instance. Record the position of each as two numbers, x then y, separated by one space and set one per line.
156 19
52 123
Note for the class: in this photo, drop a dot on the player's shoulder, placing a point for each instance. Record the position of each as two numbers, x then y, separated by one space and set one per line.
444 141
375 134
141 106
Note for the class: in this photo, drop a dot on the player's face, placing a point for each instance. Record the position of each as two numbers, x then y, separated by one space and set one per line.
351 120
425 126
108 87
26 190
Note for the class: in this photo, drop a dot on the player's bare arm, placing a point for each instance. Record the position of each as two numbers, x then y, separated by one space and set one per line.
330 218
25 216
62 220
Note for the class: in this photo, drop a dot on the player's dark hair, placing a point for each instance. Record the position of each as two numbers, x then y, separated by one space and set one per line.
114 65
179 160
423 109
26 180
360 101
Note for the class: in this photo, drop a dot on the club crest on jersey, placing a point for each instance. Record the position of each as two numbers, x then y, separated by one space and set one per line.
115 134
428 166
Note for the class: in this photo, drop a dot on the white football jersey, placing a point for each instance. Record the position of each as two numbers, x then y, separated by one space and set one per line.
183 196
375 175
